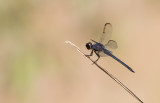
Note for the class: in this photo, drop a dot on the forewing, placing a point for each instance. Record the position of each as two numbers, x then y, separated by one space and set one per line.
107 32
111 45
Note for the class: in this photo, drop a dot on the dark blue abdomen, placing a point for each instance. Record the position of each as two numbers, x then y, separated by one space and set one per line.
114 57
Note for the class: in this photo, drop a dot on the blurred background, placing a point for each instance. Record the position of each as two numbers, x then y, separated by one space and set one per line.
36 66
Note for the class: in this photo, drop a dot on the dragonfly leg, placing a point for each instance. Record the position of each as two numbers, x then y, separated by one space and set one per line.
90 54
97 56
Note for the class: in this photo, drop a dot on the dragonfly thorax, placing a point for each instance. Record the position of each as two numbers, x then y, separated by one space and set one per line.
98 47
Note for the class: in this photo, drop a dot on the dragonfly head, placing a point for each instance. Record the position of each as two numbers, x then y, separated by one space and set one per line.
89 45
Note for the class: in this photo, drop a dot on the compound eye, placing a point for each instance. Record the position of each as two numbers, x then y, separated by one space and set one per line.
88 45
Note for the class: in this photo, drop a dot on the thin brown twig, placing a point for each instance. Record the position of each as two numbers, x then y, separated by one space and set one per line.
104 70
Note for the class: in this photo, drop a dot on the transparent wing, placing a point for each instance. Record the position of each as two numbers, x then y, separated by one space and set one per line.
107 31
102 54
111 45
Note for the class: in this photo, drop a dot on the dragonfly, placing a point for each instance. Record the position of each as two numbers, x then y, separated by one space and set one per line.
105 46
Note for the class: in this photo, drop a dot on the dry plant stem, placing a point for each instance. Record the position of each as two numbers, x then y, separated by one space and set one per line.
104 70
